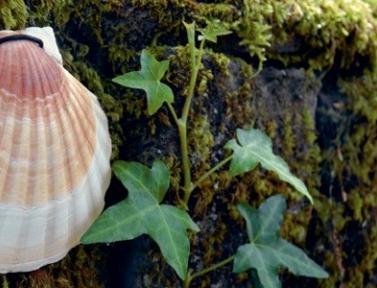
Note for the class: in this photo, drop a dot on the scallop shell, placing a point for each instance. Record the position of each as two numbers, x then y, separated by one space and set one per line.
54 158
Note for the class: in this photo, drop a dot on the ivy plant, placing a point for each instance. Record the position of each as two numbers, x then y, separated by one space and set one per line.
253 147
148 79
142 212
266 251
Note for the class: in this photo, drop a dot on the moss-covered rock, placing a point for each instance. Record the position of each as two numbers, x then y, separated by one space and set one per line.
303 71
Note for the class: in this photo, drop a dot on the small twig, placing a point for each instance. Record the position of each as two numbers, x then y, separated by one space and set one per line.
173 113
191 277
210 172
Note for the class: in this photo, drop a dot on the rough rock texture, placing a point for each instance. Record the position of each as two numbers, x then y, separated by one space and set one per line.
315 96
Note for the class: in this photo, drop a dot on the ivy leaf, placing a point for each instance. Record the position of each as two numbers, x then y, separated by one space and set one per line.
264 223
213 30
142 213
254 147
267 252
148 79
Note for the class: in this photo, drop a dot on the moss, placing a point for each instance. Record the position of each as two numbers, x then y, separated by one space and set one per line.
13 14
253 28
201 143
285 30
356 202
76 270
289 141
267 29
238 102
359 160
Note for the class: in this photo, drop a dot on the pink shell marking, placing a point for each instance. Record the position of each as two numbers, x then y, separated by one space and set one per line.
54 158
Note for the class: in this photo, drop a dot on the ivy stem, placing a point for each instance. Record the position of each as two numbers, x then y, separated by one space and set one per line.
195 66
210 172
172 112
182 129
191 277
182 122
5 282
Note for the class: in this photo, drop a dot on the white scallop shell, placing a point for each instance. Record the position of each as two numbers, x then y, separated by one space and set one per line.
54 158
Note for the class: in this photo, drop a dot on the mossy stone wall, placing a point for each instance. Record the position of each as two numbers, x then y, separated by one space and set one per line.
304 71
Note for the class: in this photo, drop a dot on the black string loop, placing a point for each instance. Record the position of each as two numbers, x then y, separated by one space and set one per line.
19 37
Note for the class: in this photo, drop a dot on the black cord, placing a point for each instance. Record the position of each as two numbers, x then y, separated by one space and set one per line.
19 37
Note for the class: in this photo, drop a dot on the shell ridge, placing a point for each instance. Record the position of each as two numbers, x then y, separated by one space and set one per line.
44 63
104 141
4 144
41 77
67 173
7 57
22 168
102 165
81 126
82 101
25 230
48 120
50 231
85 125
15 156
41 140
24 82
79 107
27 149
77 126
4 157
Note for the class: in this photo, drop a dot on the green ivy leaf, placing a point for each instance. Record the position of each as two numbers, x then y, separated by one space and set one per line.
254 147
142 213
213 30
266 251
148 79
